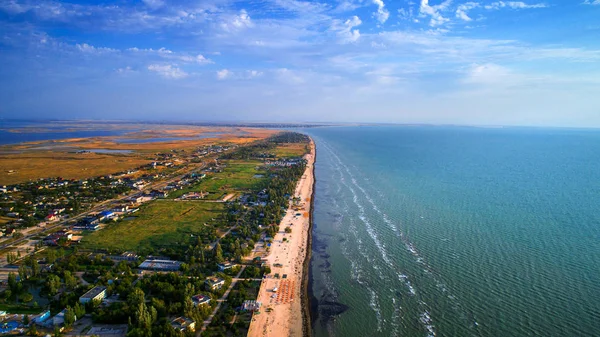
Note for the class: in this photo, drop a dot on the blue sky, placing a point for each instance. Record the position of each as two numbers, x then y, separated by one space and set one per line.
531 62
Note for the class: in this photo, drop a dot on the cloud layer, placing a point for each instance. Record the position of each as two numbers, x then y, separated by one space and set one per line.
483 62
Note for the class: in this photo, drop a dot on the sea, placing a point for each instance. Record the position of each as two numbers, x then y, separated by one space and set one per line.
456 231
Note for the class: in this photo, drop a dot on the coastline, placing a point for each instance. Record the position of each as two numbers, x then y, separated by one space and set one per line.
282 312
305 297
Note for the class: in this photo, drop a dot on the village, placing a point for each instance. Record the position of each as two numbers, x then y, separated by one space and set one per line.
85 265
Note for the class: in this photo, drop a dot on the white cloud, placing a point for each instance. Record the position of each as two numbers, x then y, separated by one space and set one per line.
162 50
154 4
461 11
171 55
513 5
382 14
345 30
200 59
347 6
168 71
487 73
226 74
86 48
238 22
591 2
254 73
406 14
223 74
289 76
125 70
434 12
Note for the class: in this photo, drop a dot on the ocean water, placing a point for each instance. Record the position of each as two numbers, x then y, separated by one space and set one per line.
450 231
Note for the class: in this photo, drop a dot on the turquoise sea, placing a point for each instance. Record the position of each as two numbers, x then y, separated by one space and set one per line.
456 231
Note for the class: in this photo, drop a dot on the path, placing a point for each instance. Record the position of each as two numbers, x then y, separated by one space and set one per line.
221 300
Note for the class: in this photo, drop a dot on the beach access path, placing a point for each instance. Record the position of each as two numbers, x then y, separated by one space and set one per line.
281 311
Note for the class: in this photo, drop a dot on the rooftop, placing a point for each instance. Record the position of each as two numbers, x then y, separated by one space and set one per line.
94 292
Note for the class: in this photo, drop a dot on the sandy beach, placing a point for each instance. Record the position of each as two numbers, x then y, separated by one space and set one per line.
281 312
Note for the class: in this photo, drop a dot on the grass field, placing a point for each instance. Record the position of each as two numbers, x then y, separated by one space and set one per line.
29 163
237 176
32 166
290 150
161 223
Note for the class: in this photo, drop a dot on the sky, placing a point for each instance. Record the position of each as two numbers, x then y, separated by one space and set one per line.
482 62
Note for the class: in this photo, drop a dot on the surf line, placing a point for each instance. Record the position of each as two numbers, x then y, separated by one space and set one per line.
410 247
428 323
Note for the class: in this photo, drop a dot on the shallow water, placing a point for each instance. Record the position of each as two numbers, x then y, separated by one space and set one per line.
449 231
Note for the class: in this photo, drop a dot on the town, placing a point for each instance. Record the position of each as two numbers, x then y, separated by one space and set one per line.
172 248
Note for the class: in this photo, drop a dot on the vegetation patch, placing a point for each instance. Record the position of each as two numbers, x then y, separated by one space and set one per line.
159 224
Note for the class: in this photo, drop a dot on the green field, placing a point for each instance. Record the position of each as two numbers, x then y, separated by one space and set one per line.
161 223
290 150
237 176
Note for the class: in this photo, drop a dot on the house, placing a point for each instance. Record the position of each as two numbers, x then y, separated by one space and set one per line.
52 217
108 330
200 299
214 283
225 265
59 319
251 305
89 223
183 323
127 256
97 293
159 194
107 215
42 317
52 239
120 208
160 265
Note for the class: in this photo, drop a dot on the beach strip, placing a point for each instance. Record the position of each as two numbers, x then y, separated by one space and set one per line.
281 297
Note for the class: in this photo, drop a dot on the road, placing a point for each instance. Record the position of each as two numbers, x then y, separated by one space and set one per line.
98 207
221 300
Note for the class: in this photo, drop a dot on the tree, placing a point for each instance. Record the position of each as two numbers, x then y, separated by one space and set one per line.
218 253
135 298
35 267
50 256
25 320
288 230
70 317
22 272
52 284
12 282
79 310
27 297
32 331
70 280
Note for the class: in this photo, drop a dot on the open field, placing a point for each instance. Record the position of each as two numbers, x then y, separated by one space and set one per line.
32 166
290 150
159 224
236 177
44 159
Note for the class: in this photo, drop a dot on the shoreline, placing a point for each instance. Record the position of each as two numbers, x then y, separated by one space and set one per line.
282 312
305 298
